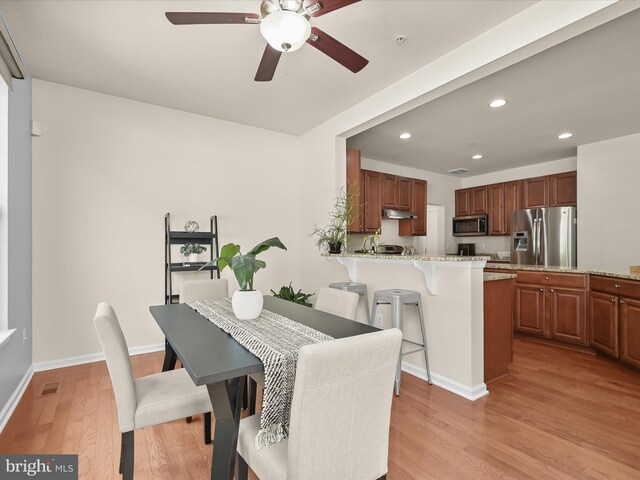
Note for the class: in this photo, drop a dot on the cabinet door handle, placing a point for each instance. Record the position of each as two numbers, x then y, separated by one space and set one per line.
613 299
552 290
617 286
546 278
621 301
542 289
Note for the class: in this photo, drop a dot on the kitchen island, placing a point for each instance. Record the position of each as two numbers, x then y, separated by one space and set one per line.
452 291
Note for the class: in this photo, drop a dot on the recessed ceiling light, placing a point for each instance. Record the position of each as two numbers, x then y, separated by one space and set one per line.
564 135
405 135
498 102
477 156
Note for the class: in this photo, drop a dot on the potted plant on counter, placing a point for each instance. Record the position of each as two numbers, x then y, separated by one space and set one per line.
246 302
334 236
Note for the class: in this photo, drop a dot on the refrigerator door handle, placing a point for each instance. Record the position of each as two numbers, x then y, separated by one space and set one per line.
536 241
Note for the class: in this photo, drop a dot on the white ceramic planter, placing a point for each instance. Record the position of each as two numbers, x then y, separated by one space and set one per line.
193 258
247 305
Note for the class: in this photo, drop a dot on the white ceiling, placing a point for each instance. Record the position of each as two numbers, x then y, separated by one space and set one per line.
129 49
588 85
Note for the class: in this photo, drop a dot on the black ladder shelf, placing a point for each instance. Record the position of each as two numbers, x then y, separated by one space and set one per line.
173 237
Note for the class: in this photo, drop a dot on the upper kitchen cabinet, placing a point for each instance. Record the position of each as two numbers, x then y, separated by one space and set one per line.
418 195
463 202
550 191
471 201
504 199
372 182
396 192
535 192
355 187
563 190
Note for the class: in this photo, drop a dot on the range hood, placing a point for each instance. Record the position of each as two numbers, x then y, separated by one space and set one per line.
390 214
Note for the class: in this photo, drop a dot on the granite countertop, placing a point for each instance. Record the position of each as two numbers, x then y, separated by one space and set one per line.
536 268
424 258
490 277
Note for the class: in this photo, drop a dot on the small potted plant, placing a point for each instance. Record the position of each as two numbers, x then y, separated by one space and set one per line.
246 302
289 294
334 235
370 243
192 250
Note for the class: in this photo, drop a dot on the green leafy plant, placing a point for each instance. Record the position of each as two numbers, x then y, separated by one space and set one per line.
189 248
287 293
340 217
370 243
246 265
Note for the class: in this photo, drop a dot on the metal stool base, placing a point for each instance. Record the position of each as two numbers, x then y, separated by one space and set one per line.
398 299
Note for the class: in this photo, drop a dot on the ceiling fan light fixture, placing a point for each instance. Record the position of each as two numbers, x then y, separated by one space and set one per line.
284 30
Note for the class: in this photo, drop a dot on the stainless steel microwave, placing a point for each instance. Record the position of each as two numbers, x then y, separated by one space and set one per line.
470 226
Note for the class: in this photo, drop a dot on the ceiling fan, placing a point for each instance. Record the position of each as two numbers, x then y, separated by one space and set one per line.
285 26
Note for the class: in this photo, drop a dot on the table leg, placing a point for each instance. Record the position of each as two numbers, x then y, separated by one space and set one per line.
170 357
226 400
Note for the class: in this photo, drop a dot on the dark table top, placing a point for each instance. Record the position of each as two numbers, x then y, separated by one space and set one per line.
210 355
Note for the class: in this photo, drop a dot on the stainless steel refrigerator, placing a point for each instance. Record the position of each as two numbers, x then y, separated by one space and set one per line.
544 236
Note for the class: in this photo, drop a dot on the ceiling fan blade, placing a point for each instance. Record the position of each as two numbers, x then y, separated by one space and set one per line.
268 64
336 50
208 18
326 6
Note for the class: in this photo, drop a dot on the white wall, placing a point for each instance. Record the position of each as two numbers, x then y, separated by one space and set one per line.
106 170
608 179
496 244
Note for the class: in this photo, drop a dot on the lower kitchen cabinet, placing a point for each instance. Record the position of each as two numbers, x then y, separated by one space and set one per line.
498 328
630 331
552 306
529 308
567 315
603 320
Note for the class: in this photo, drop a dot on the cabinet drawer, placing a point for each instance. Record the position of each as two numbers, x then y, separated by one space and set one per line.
623 288
555 279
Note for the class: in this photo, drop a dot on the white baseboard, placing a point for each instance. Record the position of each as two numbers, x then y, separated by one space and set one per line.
14 399
93 357
470 393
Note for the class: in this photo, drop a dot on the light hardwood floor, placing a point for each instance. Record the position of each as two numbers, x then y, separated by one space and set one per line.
559 415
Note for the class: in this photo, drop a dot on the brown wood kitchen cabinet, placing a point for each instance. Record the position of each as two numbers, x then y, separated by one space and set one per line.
550 191
471 201
355 187
614 317
552 305
511 203
417 226
497 217
372 200
498 328
396 192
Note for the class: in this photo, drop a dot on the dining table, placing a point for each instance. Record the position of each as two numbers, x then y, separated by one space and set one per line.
213 358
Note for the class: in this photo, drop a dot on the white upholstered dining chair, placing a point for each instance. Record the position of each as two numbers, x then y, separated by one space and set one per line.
329 300
340 414
147 401
191 290
337 302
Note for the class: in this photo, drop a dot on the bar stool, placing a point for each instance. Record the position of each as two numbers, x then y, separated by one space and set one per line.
359 288
398 299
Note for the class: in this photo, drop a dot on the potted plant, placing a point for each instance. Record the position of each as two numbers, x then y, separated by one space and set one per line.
334 235
289 294
246 302
370 244
192 250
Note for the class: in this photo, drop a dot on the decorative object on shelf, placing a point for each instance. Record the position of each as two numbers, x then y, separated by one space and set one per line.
371 243
192 250
334 235
191 226
287 293
246 302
